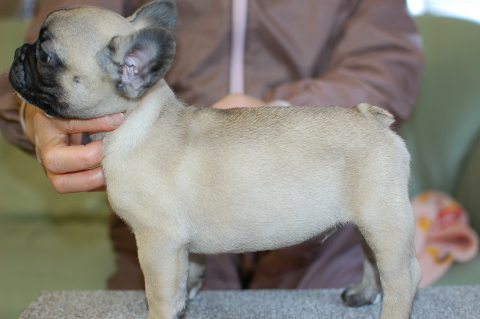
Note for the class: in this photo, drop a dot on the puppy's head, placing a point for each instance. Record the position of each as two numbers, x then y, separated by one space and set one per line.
89 62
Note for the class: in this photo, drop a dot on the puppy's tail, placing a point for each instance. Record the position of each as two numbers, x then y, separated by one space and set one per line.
380 115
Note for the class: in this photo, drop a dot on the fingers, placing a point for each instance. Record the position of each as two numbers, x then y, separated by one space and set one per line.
60 159
238 100
66 163
81 181
64 127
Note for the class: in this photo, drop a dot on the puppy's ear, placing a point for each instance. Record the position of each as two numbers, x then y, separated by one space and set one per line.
161 13
136 62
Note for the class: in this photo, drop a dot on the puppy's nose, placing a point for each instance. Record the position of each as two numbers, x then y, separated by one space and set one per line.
20 52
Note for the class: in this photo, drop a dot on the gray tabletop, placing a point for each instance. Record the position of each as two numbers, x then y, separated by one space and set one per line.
456 302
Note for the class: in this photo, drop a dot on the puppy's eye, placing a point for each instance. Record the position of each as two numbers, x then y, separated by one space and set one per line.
43 56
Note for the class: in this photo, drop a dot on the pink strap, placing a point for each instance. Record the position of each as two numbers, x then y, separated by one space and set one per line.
239 30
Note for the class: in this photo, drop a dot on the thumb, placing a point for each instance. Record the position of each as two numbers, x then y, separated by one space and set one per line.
100 124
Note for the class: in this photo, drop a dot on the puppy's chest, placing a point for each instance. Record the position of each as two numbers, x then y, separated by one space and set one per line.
134 156
127 174
121 157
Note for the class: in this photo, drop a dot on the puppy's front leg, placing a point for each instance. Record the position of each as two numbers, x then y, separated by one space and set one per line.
165 266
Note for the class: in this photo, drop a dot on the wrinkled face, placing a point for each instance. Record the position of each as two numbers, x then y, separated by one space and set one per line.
88 62
60 72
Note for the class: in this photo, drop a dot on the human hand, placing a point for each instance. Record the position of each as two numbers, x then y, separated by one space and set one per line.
238 100
67 163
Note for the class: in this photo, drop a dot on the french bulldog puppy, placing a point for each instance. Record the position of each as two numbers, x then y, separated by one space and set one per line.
208 181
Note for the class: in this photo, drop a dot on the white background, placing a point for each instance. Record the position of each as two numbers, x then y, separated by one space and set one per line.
466 9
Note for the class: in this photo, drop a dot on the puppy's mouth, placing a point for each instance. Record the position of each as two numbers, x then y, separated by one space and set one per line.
25 79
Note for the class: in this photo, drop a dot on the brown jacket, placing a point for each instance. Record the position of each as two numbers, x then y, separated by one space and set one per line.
317 53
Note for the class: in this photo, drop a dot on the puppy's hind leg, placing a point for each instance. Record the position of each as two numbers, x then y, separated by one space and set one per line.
390 237
369 289
164 263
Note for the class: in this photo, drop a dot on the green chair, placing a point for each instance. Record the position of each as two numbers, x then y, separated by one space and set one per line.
443 134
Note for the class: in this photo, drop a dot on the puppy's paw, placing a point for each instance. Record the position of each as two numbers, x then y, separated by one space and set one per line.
193 292
356 297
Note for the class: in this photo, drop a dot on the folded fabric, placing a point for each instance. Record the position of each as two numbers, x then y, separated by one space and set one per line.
442 234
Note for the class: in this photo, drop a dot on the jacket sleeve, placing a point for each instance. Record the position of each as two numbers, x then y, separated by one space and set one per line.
376 58
9 101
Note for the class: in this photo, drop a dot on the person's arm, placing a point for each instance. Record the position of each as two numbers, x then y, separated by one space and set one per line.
376 58
10 117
